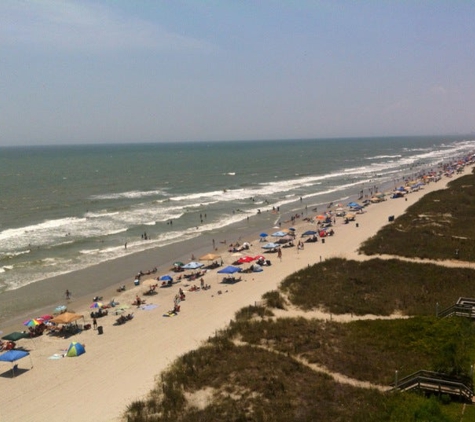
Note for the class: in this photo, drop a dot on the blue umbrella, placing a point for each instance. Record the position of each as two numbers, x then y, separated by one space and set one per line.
229 270
309 233
263 234
166 278
193 265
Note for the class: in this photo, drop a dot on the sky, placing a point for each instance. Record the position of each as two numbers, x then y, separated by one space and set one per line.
117 71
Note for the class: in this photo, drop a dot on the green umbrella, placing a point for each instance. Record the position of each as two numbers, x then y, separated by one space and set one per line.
15 336
178 264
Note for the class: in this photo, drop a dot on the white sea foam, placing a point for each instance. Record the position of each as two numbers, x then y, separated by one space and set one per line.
130 194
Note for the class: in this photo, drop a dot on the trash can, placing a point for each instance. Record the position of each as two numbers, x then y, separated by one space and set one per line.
357 225
137 282
391 218
323 240
100 330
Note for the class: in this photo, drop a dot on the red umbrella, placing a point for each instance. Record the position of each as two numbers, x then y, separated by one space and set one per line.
44 318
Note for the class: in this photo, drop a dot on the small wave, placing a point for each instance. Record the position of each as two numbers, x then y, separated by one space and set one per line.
380 157
127 195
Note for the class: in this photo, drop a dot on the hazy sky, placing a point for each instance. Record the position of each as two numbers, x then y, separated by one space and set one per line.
152 71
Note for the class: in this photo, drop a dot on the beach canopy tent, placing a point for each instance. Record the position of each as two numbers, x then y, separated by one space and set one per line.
230 269
270 245
279 234
12 356
66 318
15 336
192 265
75 349
210 257
309 233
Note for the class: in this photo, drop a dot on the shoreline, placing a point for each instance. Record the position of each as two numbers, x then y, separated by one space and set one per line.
137 352
104 278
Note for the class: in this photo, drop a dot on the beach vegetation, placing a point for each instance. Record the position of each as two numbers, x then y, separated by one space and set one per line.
273 379
378 287
440 226
274 299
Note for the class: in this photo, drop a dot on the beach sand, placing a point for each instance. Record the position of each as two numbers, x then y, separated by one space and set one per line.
120 366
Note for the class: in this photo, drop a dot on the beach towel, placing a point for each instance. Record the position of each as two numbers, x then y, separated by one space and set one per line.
149 307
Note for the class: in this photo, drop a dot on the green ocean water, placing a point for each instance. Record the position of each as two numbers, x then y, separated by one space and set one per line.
65 208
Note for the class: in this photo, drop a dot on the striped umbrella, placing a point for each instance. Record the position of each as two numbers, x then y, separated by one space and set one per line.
32 322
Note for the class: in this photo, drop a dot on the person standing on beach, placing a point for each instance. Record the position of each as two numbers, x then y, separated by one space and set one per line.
94 323
279 254
67 294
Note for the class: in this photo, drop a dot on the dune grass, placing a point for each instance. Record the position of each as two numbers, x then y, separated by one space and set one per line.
378 287
435 227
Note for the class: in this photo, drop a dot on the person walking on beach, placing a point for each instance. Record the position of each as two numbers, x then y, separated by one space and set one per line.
279 254
94 323
67 294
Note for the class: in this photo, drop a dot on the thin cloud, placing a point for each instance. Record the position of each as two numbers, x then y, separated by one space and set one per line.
86 27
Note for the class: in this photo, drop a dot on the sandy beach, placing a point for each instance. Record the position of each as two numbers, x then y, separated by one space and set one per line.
121 365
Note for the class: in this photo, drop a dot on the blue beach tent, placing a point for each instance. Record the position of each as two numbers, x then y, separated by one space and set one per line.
230 269
12 356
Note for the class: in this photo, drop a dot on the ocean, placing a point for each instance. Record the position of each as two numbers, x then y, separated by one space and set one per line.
69 208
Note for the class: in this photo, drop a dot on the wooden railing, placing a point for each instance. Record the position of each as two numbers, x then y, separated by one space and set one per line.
465 307
434 382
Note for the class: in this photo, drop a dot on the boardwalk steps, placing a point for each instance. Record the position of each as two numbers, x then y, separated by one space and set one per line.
433 382
464 307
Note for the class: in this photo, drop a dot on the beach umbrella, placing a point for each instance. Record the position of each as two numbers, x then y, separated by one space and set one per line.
321 217
192 265
75 349
259 258
44 318
32 322
279 234
270 245
166 278
15 336
230 269
178 264
291 229
263 234
96 305
309 233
